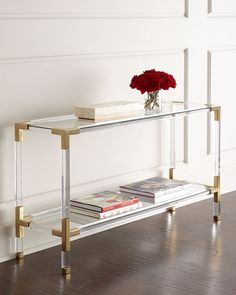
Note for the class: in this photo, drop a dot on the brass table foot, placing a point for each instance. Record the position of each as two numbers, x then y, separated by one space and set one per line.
66 270
19 255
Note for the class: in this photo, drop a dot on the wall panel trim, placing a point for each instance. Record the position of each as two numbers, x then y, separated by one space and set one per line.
210 52
72 15
77 15
212 13
67 57
186 99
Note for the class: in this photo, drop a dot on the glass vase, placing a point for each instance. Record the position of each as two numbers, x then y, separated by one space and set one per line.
153 101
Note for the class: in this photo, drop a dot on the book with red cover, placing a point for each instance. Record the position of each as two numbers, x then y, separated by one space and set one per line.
104 201
107 214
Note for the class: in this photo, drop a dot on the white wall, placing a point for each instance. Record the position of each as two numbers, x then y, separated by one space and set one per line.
56 54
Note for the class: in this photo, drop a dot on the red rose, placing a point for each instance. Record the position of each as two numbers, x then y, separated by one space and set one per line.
152 80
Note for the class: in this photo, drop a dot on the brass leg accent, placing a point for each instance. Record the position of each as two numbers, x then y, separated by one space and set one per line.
216 192
21 221
65 233
19 213
66 270
171 209
216 199
19 230
19 255
171 173
216 216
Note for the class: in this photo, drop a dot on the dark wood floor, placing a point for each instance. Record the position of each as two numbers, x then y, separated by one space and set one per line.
165 255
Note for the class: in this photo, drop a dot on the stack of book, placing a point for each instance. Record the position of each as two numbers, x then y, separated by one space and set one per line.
105 204
108 111
157 190
160 189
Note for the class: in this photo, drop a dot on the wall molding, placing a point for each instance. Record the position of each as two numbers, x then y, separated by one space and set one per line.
68 57
72 15
222 15
186 99
209 6
212 13
209 101
210 52
8 14
114 180
222 48
124 54
86 186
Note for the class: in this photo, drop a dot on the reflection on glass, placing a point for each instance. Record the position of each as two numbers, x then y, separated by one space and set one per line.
168 109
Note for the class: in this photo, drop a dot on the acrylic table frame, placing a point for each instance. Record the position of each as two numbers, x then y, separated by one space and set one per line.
66 232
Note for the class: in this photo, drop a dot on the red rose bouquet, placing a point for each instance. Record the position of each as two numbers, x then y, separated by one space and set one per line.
152 82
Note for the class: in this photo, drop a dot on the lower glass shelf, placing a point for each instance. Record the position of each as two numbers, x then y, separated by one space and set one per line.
47 220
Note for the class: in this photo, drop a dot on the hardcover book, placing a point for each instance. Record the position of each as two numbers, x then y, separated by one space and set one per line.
110 110
110 213
104 201
174 196
156 187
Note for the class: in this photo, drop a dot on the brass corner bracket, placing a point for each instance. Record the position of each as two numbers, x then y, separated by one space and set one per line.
19 127
21 221
217 112
65 136
65 233
215 189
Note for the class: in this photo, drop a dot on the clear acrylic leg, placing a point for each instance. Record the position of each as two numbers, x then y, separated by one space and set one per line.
18 173
217 139
18 195
216 208
19 247
172 146
65 253
65 259
217 148
65 183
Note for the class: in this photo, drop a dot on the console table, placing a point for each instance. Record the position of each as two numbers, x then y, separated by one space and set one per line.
64 224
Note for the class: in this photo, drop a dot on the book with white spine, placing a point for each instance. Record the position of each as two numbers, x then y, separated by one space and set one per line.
156 187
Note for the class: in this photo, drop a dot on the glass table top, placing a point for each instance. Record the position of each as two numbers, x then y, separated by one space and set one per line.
169 108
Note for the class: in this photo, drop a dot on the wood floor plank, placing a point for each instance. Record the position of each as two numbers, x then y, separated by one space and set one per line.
178 254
